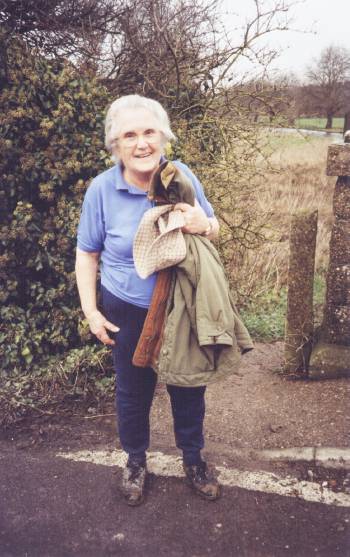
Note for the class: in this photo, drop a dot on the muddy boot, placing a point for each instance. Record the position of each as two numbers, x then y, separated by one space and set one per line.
201 479
133 483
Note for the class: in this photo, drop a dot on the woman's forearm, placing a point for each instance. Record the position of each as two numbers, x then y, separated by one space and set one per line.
86 267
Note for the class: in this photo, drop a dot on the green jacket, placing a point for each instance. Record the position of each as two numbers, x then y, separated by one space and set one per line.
204 336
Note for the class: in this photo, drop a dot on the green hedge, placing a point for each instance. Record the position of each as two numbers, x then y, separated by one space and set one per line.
51 141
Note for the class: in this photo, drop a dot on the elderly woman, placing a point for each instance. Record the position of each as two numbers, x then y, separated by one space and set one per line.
136 132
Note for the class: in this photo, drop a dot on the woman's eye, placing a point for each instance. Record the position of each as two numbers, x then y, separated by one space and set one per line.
150 132
129 134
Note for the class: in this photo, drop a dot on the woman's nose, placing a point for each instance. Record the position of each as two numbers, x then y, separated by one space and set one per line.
141 141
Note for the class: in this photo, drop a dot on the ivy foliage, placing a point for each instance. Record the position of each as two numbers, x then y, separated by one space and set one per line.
51 131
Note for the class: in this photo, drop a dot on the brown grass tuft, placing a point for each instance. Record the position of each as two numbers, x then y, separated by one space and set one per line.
296 181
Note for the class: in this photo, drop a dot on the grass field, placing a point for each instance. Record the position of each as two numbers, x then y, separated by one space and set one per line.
296 182
319 124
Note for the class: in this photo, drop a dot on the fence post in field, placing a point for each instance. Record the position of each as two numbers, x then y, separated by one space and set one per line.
331 355
299 321
346 122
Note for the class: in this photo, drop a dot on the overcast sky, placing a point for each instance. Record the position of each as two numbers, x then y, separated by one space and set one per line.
320 23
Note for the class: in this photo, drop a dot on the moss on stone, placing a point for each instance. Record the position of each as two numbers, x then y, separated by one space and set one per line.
329 361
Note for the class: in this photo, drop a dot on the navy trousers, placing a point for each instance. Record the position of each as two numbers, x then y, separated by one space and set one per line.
135 389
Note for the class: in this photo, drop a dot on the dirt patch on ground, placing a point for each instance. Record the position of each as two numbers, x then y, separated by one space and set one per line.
263 409
257 409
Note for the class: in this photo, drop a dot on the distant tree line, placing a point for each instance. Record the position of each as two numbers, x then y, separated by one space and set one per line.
325 91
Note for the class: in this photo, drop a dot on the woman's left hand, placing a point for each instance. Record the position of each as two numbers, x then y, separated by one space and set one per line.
196 221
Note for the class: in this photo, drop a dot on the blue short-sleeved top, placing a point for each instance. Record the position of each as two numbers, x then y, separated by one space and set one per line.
111 213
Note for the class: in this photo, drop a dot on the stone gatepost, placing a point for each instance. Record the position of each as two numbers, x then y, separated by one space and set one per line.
300 316
330 356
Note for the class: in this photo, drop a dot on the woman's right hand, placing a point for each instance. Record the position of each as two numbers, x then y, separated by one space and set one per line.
99 326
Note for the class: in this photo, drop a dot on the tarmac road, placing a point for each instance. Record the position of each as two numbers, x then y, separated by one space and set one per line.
56 507
70 506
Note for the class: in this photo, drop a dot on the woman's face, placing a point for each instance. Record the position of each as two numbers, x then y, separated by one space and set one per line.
140 143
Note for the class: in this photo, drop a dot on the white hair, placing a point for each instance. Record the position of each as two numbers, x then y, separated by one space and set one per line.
136 101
